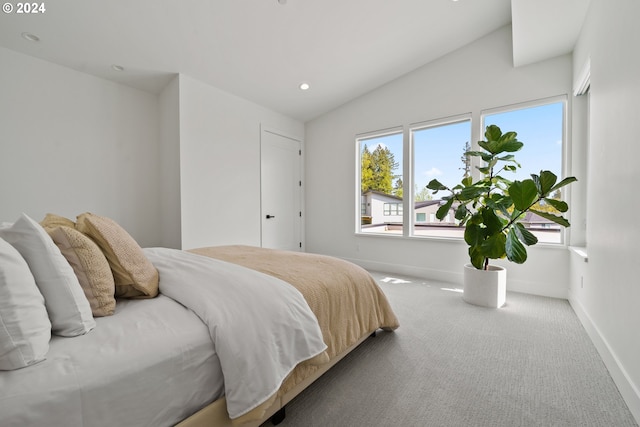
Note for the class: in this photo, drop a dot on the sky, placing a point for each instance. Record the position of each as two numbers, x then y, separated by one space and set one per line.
438 150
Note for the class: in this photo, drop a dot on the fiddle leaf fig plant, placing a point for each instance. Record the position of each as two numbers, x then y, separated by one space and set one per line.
492 208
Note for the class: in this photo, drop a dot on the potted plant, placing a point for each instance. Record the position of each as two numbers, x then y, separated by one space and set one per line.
492 209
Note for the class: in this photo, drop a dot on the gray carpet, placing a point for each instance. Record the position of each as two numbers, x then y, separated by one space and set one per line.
529 363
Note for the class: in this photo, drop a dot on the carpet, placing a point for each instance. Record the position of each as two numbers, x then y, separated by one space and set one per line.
450 363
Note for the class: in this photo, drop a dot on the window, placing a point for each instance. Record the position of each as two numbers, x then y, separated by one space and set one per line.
540 126
438 152
380 182
392 209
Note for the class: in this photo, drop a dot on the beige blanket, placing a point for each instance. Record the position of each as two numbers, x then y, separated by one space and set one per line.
344 297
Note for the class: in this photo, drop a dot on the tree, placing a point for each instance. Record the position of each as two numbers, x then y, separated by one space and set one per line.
377 168
422 195
366 170
466 160
397 188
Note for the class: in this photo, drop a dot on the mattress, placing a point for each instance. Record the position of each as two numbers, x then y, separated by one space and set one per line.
150 364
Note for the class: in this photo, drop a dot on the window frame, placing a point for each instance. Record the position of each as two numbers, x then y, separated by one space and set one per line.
565 161
477 120
418 126
395 130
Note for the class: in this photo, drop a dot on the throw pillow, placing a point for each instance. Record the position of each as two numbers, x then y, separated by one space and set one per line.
90 266
134 275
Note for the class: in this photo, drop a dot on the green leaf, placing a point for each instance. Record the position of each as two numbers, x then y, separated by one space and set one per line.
564 182
473 234
500 203
493 223
560 205
436 185
547 179
523 194
461 212
487 157
444 209
515 250
555 218
476 257
510 146
527 237
494 246
492 133
471 192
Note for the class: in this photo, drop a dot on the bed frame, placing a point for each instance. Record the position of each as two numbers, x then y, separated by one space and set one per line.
215 414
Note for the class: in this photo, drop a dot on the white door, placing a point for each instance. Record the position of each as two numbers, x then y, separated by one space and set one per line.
281 191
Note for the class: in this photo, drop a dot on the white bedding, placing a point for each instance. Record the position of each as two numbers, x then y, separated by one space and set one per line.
261 326
150 364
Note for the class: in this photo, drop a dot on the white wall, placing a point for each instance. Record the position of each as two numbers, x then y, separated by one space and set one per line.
170 220
608 299
71 143
476 77
220 164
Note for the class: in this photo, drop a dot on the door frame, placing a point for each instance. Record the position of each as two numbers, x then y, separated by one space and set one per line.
265 128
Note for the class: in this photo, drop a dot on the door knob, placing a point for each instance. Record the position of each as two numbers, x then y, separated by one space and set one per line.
270 216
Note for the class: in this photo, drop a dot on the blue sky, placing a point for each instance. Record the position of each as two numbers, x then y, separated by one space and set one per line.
438 149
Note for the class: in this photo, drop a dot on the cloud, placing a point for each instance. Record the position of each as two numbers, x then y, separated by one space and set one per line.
433 172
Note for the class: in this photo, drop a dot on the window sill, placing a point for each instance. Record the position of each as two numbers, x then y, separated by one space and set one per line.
581 251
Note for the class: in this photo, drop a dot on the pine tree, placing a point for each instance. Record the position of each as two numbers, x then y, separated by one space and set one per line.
366 170
397 188
377 170
466 160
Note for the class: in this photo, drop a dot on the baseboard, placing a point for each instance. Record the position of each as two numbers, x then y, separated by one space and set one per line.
628 390
447 276
408 270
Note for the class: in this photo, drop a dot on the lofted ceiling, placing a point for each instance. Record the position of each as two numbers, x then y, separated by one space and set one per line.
262 50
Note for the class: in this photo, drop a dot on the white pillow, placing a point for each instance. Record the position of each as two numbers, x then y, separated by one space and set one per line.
68 307
25 329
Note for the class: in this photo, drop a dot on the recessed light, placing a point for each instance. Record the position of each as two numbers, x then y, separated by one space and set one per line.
282 1
117 67
304 86
30 37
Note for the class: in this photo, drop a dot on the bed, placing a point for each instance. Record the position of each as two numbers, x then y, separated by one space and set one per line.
228 338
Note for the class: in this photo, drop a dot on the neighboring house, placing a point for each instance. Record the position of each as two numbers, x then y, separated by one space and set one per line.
531 220
426 213
379 208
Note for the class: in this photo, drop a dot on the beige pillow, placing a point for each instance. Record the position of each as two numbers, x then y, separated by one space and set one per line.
52 221
134 274
91 268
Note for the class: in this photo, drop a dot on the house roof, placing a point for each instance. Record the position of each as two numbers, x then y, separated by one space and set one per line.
424 203
380 193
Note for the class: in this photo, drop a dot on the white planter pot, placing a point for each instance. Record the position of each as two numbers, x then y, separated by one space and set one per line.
487 288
